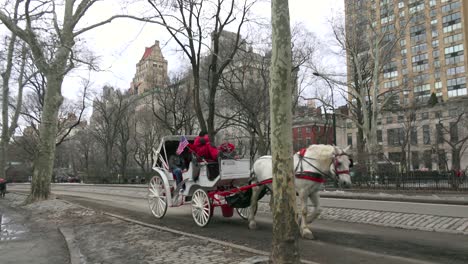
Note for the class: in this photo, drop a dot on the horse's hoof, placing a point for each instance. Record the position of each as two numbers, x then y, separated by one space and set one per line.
307 234
252 225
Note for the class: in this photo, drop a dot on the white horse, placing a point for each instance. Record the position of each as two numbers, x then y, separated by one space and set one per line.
312 165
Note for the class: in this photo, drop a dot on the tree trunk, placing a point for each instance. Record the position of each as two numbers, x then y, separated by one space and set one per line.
44 161
196 98
285 229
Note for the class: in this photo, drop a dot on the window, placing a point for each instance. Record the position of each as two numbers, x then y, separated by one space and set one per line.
395 136
308 129
453 38
438 114
379 136
435 43
422 78
419 48
456 87
426 135
451 22
401 118
455 70
418 33
403 42
416 8
308 141
442 159
438 85
454 54
414 136
440 133
390 84
350 139
427 157
420 62
450 7
453 132
390 70
435 54
415 160
425 116
389 119
422 88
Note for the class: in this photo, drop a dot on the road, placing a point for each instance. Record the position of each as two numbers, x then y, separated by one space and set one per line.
337 242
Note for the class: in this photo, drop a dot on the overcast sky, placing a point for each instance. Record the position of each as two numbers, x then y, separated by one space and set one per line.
121 44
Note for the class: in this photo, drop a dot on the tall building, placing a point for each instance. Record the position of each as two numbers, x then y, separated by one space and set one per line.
151 71
425 60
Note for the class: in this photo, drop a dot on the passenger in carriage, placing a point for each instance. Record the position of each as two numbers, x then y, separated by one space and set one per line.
176 164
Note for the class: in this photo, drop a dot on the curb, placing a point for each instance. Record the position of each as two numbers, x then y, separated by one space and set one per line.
323 194
73 249
393 199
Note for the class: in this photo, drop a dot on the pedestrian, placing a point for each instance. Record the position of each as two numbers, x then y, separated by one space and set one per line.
2 187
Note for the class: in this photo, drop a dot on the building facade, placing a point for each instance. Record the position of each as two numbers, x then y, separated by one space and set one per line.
151 71
425 70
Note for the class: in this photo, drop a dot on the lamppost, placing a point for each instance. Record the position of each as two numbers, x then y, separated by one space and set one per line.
333 104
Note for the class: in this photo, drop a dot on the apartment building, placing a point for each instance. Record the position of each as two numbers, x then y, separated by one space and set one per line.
425 71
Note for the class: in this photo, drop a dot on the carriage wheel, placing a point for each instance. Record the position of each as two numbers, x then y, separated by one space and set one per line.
157 199
244 213
201 208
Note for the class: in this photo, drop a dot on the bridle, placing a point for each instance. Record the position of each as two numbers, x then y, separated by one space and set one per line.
318 176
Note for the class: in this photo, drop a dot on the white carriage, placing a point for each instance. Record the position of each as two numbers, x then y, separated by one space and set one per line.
207 185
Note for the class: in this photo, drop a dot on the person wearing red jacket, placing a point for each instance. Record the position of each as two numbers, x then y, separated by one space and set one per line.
203 149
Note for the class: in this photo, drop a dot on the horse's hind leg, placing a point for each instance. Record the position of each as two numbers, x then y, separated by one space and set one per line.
315 198
305 231
253 206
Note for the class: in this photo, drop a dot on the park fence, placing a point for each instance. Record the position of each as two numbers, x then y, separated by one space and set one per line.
413 180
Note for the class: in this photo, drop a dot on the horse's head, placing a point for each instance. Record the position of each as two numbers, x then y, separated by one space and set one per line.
340 166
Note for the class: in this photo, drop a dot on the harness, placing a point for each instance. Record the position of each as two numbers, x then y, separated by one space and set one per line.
318 176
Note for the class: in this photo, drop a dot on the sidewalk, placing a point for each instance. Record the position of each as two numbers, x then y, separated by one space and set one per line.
407 196
98 238
26 241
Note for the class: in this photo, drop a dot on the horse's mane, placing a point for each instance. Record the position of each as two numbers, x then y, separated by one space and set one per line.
320 152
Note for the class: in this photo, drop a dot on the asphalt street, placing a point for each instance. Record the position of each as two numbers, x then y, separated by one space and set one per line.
337 242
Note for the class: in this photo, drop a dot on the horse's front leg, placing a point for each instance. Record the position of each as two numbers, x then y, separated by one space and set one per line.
315 198
253 206
305 231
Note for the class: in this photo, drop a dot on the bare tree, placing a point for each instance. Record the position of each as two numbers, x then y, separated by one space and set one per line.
110 111
14 61
285 247
172 107
145 139
246 81
190 22
451 130
55 54
370 51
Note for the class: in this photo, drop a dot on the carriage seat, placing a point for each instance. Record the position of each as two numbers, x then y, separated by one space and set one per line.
212 168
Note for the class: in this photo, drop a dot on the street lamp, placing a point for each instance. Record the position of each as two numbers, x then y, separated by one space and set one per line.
333 104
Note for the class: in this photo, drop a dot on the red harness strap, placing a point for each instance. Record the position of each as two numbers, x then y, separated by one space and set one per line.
310 176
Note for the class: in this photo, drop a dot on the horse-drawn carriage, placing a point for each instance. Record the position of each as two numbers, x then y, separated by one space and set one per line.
228 183
207 184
